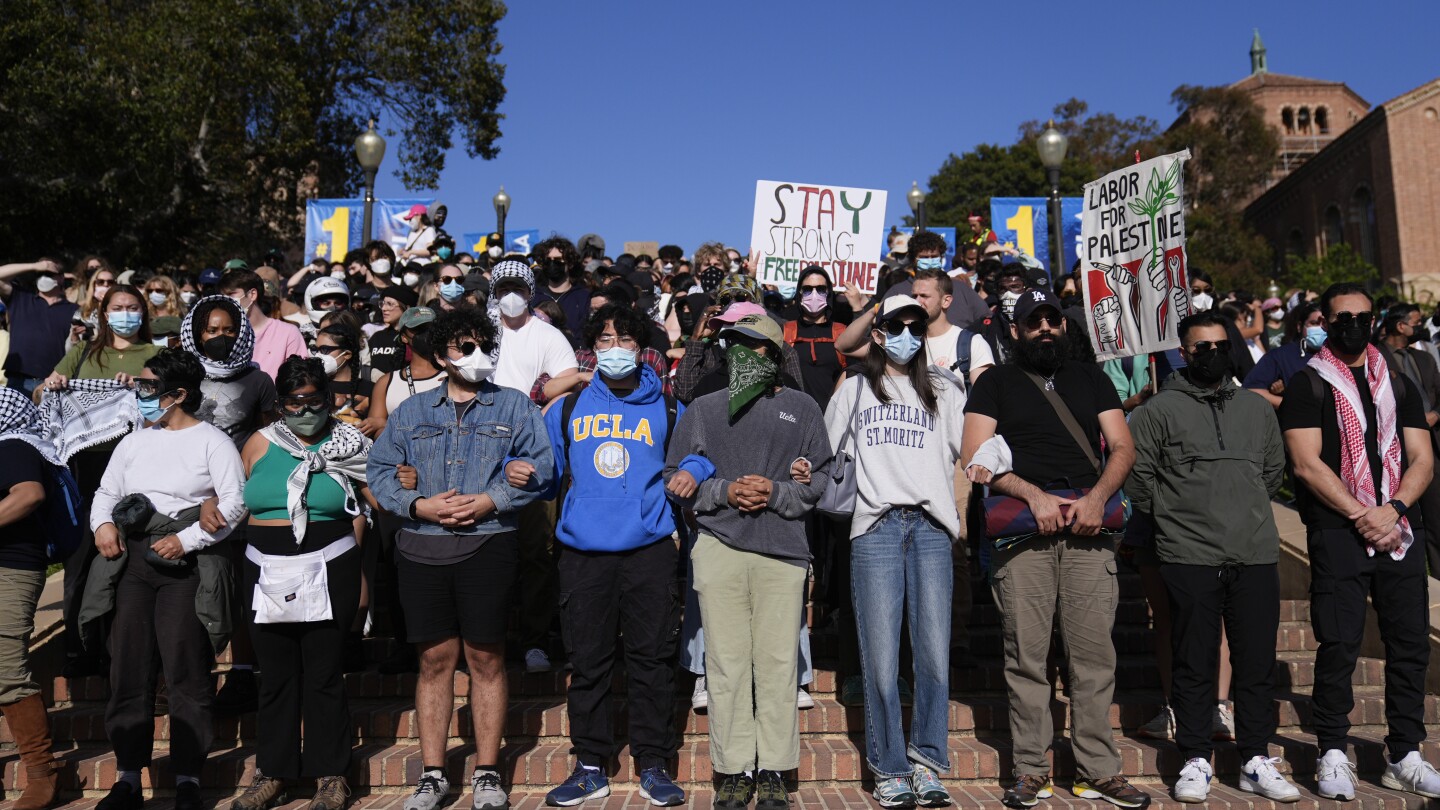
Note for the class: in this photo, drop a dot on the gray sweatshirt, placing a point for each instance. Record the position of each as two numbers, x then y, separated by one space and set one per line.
764 441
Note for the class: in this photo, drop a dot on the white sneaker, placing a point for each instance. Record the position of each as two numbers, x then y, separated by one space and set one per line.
1260 775
1336 775
1193 786
700 699
1412 775
536 660
488 794
1160 728
804 701
429 791
1224 725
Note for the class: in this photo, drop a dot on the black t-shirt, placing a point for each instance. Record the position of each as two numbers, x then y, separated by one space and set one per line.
1044 451
22 543
819 362
1301 409
387 353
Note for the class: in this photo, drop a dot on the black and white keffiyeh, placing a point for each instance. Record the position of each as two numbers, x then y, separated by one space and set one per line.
506 269
20 419
342 458
240 355
86 413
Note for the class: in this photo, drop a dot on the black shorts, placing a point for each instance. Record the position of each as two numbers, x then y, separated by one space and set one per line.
469 599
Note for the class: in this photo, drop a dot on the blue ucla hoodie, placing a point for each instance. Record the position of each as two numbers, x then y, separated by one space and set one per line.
617 499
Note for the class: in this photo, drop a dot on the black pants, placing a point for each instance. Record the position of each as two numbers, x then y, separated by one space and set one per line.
1341 576
637 594
378 563
88 466
302 673
155 611
1247 599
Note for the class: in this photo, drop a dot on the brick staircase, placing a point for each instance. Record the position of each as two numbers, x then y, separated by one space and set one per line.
831 773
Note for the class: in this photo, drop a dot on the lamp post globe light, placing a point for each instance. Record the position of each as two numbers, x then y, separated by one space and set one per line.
369 152
1051 144
916 198
502 207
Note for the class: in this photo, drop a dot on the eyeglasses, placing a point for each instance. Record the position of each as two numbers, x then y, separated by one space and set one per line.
466 349
307 403
100 282
1204 346
1343 319
1039 319
893 328
150 388
610 341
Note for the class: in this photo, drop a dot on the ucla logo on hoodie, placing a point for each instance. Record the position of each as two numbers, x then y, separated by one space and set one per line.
612 459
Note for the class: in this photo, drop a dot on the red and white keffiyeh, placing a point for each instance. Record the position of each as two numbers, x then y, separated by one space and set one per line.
1350 413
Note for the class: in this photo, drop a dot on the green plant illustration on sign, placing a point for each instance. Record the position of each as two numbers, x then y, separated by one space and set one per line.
1158 194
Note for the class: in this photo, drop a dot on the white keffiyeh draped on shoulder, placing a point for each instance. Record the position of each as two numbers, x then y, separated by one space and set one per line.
86 413
342 458
20 419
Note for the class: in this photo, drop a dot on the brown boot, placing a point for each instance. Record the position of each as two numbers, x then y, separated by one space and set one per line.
30 726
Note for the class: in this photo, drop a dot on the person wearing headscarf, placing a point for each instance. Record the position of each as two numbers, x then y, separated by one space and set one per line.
237 393
29 466
306 483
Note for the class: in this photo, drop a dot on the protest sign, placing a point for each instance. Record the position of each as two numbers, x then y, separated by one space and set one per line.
1024 224
798 224
1132 261
642 248
332 227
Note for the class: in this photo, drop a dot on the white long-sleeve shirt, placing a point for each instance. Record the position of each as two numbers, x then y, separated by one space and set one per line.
175 469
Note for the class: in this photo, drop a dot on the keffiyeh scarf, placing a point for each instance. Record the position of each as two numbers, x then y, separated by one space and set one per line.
20 419
1355 470
342 458
506 269
87 413
240 354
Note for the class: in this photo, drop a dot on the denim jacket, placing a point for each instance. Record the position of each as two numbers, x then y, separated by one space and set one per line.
468 456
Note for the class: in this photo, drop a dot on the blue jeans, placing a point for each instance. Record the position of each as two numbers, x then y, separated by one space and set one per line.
903 563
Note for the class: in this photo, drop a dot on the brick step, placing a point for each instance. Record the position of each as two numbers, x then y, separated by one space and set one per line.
394 721
822 759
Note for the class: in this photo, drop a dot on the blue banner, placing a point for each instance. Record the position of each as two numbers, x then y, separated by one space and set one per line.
947 233
521 241
333 227
1024 223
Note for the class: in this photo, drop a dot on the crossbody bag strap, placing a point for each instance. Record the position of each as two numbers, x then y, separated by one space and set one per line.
850 425
1066 418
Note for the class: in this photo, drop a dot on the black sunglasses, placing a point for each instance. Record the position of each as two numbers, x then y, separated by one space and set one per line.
149 388
330 349
821 289
467 348
893 328
1365 319
1203 346
1039 319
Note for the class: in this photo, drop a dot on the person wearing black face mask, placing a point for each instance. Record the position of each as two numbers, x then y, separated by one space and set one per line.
1218 548
237 394
557 268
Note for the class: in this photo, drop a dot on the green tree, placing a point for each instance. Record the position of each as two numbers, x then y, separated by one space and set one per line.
1340 263
169 131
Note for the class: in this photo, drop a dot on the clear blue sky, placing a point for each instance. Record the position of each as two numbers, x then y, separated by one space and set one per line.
653 120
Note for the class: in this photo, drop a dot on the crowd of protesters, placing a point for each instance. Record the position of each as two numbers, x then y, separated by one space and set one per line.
414 441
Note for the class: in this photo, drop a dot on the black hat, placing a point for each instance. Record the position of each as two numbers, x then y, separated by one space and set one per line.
404 295
1031 300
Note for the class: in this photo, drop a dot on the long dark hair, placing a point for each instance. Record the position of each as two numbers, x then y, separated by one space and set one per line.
104 336
917 370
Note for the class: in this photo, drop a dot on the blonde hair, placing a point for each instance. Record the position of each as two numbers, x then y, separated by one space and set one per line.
172 296
712 249
90 306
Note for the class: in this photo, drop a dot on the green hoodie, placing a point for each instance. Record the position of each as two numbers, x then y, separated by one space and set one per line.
1207 462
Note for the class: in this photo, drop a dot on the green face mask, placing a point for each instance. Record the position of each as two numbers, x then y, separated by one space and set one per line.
752 375
308 422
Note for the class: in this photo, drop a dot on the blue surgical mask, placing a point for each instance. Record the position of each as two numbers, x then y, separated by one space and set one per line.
1314 338
150 408
452 291
616 362
124 324
444 253
900 348
933 263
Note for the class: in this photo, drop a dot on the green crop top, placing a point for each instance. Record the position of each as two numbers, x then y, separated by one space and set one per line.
265 491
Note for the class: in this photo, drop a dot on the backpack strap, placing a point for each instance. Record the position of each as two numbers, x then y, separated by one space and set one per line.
792 332
962 354
671 413
836 330
566 409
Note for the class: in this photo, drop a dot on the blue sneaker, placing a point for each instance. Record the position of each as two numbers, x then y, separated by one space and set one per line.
583 784
657 786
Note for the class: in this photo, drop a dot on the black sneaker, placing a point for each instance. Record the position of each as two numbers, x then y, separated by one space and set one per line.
121 797
770 791
239 695
187 796
734 791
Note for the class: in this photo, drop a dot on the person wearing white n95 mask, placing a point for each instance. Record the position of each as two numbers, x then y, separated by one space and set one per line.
529 347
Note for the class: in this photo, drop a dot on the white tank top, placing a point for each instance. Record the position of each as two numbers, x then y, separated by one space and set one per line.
402 388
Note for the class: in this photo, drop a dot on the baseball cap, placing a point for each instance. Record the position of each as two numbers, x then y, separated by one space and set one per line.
1031 300
476 283
415 211
402 294
590 240
166 326
210 275
237 264
901 244
897 305
760 327
1271 303
738 310
416 317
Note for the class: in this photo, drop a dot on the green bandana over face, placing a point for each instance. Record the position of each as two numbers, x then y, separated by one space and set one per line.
751 376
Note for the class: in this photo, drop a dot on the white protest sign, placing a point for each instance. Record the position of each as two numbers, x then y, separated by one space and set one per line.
800 224
1132 257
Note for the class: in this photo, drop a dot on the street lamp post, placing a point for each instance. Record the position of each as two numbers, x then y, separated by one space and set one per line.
1051 145
502 207
369 151
916 198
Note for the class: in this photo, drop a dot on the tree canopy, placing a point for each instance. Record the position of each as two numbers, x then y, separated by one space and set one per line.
164 131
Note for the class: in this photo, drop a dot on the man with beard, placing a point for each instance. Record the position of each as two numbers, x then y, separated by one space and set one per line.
1069 568
559 268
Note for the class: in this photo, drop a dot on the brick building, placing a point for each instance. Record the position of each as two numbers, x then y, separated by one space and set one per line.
1349 173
